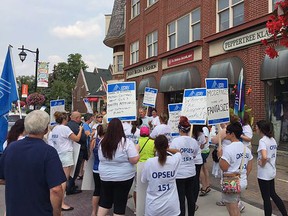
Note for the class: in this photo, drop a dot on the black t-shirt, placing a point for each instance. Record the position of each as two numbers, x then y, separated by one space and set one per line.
30 168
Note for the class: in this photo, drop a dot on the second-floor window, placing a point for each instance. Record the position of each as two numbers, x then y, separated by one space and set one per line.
229 13
152 44
151 2
134 52
135 8
118 62
184 30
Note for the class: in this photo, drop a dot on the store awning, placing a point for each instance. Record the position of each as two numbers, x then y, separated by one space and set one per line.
276 68
147 82
180 80
228 68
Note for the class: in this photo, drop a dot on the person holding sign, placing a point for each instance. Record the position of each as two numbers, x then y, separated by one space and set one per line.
155 119
163 128
117 157
143 117
160 173
186 176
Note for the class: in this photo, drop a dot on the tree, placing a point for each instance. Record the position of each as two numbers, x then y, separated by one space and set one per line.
277 25
64 78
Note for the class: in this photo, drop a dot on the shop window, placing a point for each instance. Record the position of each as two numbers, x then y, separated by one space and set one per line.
135 10
134 52
175 97
277 110
151 2
152 44
230 13
184 30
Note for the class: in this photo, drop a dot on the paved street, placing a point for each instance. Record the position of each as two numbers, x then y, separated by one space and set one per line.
252 197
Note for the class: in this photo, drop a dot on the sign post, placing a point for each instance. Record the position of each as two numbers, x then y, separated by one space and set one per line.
56 105
150 95
174 116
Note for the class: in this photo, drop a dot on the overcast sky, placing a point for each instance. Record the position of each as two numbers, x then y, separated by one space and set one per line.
57 29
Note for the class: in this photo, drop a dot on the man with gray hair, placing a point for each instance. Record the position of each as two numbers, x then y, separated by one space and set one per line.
32 172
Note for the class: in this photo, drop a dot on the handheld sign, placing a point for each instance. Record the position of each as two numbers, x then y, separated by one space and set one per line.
195 105
121 101
88 105
217 100
174 116
150 95
56 105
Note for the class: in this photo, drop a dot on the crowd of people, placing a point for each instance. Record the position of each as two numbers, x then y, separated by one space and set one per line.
37 176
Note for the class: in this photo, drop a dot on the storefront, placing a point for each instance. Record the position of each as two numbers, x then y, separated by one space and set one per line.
274 73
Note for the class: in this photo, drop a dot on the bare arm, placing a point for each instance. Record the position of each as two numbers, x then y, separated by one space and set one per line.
249 167
56 196
134 160
222 134
173 150
77 137
264 159
246 138
224 165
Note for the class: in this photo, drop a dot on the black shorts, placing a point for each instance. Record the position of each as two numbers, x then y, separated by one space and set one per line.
115 193
205 156
97 183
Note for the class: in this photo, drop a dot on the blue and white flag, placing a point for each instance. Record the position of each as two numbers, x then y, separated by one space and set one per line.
8 94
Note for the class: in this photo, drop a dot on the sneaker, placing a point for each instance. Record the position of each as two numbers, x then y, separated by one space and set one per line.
196 207
241 206
220 203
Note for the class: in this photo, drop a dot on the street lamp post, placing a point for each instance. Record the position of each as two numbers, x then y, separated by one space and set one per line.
23 55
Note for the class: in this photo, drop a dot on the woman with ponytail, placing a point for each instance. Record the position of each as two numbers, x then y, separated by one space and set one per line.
160 173
186 176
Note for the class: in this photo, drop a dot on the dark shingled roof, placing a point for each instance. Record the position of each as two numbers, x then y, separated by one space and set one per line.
116 32
93 80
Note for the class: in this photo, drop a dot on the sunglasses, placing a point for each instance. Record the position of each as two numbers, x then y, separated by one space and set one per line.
100 117
228 132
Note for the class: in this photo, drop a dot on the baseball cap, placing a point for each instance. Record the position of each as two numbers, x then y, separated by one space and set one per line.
144 131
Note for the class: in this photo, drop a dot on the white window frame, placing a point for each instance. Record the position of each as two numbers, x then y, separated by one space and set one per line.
230 8
271 6
191 24
135 7
134 52
116 64
152 2
153 44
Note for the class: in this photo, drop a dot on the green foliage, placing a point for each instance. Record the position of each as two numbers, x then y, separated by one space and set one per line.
28 80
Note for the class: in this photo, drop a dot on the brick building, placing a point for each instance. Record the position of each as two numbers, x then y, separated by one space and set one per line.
172 45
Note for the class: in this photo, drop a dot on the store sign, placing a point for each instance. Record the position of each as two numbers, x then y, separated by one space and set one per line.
144 69
246 39
181 58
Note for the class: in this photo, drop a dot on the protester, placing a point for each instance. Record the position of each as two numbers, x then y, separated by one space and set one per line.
235 158
94 146
99 119
146 151
247 131
16 132
144 118
74 125
62 139
160 173
131 131
163 128
32 172
204 173
267 152
117 157
88 118
186 176
155 119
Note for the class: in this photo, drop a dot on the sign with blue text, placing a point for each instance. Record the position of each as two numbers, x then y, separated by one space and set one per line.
195 105
121 101
174 116
56 105
150 95
217 100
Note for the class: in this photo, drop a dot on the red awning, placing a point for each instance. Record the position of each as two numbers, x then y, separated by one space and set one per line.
93 99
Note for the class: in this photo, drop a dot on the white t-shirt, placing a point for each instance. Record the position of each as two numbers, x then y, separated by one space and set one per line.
189 148
119 168
200 140
233 154
268 172
247 131
134 137
206 133
162 129
162 196
155 121
59 139
145 121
